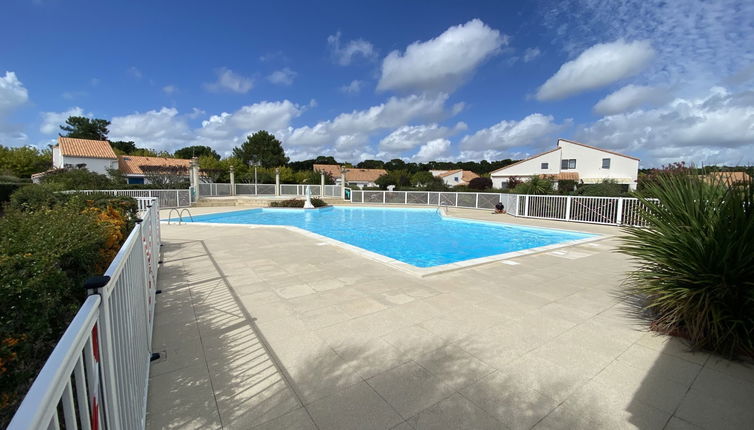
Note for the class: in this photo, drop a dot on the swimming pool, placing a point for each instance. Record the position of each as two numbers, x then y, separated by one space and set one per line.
419 237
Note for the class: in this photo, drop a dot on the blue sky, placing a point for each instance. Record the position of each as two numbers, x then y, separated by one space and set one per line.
664 81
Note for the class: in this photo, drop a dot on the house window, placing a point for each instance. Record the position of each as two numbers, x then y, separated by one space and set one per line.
545 166
568 164
605 163
455 178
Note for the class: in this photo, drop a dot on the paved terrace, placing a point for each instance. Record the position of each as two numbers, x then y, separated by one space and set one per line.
264 328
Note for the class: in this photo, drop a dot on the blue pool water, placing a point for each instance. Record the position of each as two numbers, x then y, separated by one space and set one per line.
420 237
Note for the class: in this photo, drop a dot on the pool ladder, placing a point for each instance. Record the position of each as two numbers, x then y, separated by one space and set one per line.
180 214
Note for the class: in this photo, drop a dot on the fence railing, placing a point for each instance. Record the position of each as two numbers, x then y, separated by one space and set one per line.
222 189
97 375
596 210
166 198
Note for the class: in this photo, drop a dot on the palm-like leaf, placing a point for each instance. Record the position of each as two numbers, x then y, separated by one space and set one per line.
695 261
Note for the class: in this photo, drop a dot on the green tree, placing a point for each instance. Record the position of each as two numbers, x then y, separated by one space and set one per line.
421 179
395 164
125 147
399 178
196 151
371 164
82 127
480 183
261 148
24 161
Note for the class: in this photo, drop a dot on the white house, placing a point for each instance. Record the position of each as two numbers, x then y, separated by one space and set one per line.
454 177
96 155
573 160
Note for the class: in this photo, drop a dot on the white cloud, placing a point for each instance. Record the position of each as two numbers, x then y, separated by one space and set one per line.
167 129
600 65
13 95
160 129
284 76
536 129
170 89
393 113
442 63
228 80
715 128
344 55
628 98
135 72
51 121
352 88
433 150
12 92
411 136
530 54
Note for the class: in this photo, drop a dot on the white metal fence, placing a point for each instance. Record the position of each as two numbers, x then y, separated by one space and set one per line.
217 190
97 375
597 210
167 198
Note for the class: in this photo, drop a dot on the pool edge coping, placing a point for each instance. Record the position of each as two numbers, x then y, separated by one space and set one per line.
420 272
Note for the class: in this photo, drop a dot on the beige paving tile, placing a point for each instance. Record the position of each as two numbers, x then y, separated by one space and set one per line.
455 412
668 366
514 404
718 401
454 366
360 307
356 407
182 399
410 388
297 419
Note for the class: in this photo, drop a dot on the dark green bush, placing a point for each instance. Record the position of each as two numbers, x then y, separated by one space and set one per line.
297 203
45 255
6 190
535 185
480 183
36 197
77 179
606 188
695 275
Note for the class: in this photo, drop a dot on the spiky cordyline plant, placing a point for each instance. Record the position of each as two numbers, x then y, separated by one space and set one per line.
695 274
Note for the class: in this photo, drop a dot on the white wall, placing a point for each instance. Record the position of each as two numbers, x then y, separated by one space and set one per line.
98 165
57 161
528 168
589 164
454 179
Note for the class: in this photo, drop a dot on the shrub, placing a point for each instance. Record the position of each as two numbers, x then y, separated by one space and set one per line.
45 255
77 179
535 185
6 190
480 183
297 203
606 188
695 272
36 197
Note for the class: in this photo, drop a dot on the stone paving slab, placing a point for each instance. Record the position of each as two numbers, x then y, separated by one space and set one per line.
270 329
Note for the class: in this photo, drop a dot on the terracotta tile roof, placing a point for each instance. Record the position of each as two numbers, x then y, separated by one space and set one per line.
86 148
332 169
599 149
727 177
131 164
364 175
353 174
526 159
449 172
563 176
468 175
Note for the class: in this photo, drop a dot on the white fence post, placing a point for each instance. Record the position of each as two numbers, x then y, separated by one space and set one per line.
568 208
405 199
384 197
456 199
526 206
619 213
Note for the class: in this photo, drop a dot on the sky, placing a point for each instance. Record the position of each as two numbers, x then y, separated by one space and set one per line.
664 81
